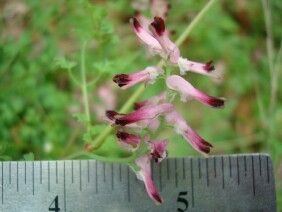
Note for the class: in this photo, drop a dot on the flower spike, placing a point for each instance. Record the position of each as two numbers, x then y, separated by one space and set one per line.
187 91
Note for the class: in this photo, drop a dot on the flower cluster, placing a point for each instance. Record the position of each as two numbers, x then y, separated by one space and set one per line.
147 113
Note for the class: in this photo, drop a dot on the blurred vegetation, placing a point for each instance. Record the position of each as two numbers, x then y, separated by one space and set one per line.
40 49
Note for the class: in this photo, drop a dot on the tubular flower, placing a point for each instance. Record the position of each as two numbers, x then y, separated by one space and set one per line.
152 101
200 68
144 174
148 75
146 113
128 141
158 152
187 91
183 129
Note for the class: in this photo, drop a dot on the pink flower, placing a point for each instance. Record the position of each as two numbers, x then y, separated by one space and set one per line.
144 174
187 91
158 29
158 152
186 65
146 113
128 141
152 101
148 75
159 41
183 129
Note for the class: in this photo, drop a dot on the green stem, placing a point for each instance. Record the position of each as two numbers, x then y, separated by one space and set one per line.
84 86
107 159
100 139
195 21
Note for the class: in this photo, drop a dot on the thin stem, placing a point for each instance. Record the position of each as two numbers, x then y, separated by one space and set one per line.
195 21
133 98
84 86
73 77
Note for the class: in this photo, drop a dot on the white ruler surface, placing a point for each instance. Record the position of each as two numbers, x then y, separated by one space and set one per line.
218 183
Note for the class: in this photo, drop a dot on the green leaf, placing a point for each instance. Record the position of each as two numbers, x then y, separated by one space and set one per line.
28 157
80 117
61 62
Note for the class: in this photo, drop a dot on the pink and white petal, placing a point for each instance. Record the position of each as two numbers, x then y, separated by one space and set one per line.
187 91
149 112
158 150
146 37
160 98
186 65
145 175
128 141
158 29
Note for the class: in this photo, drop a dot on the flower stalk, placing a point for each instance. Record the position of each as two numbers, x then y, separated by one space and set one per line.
133 98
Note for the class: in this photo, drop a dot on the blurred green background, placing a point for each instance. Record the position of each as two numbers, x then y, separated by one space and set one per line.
38 97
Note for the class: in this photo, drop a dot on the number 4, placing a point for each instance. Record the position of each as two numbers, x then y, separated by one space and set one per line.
56 202
183 200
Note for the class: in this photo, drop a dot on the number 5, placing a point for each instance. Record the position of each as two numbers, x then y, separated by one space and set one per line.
183 200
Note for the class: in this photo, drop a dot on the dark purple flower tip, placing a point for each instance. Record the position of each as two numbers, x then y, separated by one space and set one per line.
216 102
122 135
122 122
136 24
158 25
111 114
208 66
157 197
139 105
121 79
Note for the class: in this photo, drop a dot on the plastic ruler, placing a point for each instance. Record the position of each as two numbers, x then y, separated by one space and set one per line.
218 183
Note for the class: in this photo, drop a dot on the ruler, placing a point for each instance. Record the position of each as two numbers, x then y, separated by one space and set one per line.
218 183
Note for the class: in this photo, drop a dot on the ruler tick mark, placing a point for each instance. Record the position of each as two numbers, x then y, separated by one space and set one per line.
214 166
128 184
32 177
112 168
175 170
167 169
49 176
192 181
72 171
222 171
40 172
230 169
253 172
10 173
65 187
199 166
238 170
267 169
2 183
88 172
120 172
160 176
245 164
104 171
56 172
259 165
80 180
96 176
183 168
207 170
17 176
25 172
